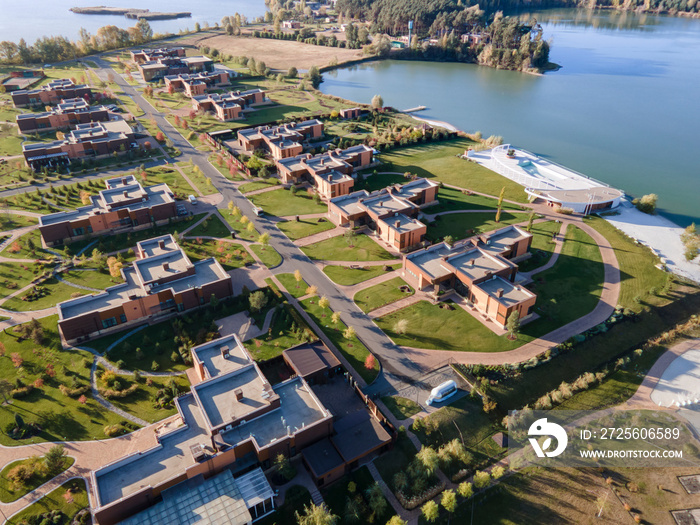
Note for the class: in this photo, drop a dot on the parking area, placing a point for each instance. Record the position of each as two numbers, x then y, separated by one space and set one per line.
419 391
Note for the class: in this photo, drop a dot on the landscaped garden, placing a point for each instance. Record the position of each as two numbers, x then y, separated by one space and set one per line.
304 227
210 227
542 245
284 203
295 288
296 498
267 254
288 329
346 276
462 225
23 476
258 185
231 255
43 295
170 176
357 498
240 223
450 199
61 504
358 249
197 177
382 294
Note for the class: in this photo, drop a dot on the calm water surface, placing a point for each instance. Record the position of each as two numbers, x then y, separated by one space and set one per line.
624 108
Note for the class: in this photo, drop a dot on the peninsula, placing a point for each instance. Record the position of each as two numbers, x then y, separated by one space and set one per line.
130 12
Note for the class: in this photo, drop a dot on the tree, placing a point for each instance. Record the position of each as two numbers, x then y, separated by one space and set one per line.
335 318
481 479
298 277
292 72
513 324
316 515
465 489
430 511
497 472
449 502
500 204
114 267
448 239
370 360
323 302
647 204
314 76
377 502
349 332
530 220
284 467
55 458
264 239
312 290
428 459
377 102
17 360
396 520
257 300
5 389
401 326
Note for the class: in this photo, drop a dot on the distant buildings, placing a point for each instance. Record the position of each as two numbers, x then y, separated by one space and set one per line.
161 67
481 269
350 113
228 106
390 212
161 281
66 114
281 141
148 55
125 205
329 172
198 83
94 140
291 24
50 94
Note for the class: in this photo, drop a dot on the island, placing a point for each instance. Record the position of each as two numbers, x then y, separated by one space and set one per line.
130 12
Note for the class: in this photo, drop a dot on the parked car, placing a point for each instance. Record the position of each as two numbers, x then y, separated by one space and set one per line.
192 199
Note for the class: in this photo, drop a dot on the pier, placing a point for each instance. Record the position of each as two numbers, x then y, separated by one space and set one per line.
413 110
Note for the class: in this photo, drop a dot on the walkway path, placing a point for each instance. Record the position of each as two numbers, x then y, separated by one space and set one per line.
351 290
75 285
321 236
559 244
106 404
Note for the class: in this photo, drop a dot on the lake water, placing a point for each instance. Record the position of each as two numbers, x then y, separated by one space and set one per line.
623 108
32 19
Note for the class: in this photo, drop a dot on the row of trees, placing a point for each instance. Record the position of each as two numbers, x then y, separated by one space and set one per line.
58 48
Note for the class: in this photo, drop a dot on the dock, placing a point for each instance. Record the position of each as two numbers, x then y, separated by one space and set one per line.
413 110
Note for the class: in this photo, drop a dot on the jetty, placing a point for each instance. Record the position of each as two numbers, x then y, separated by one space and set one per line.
129 12
413 110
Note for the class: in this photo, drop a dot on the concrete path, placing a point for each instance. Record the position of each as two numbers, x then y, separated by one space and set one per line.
322 236
195 188
242 325
559 244
16 318
262 190
350 291
75 285
396 305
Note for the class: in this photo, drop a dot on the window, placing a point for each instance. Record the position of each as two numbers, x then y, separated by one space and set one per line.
180 307
107 323
89 229
78 231
122 318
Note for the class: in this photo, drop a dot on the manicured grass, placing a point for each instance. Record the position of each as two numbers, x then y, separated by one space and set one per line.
295 499
338 249
439 161
60 417
14 276
462 225
401 407
450 199
141 402
337 494
281 336
304 227
258 185
30 247
10 140
92 278
170 176
197 178
542 245
267 254
295 289
56 292
13 221
353 350
349 276
241 228
8 493
283 203
379 181
638 272
381 294
229 254
56 500
210 227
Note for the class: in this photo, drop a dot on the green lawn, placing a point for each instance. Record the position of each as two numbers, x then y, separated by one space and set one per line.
140 403
397 459
210 227
14 276
92 278
542 245
381 294
229 254
439 161
241 228
197 178
338 249
30 247
304 227
294 288
57 500
56 292
12 221
353 350
638 272
401 407
10 493
10 141
281 336
267 254
258 185
283 203
462 225
337 494
349 276
451 199
379 181
170 176
60 417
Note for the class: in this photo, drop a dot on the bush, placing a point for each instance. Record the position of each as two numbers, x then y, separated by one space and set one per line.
109 393
73 392
647 204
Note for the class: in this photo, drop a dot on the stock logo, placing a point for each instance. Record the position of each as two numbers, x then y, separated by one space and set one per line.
542 427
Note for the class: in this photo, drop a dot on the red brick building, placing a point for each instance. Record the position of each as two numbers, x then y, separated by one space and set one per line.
67 114
198 83
228 106
283 141
50 94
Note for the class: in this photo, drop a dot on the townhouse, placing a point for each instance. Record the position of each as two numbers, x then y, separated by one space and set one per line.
50 94
197 83
283 141
67 114
228 106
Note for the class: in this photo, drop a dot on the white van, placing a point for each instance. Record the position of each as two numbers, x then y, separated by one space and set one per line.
442 392
257 211
192 199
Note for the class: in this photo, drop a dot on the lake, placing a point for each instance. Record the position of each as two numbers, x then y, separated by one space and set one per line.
37 18
623 108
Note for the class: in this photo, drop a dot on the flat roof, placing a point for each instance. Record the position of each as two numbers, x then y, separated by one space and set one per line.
299 408
476 263
351 204
151 247
217 397
512 293
210 355
430 259
334 177
501 240
310 358
416 186
386 203
296 163
214 501
163 265
322 457
402 224
357 434
594 195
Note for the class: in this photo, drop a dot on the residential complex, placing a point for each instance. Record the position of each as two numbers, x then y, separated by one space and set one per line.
93 139
124 206
390 211
161 67
67 114
198 83
228 106
232 423
329 172
50 94
283 141
147 55
481 269
161 281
